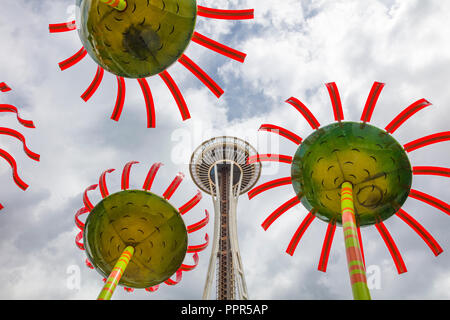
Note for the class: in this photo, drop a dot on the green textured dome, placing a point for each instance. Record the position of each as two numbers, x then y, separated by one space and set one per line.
141 41
145 221
369 158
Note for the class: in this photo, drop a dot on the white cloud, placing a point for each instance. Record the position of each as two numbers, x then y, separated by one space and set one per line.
293 48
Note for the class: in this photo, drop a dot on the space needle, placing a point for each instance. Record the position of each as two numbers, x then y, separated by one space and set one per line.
220 168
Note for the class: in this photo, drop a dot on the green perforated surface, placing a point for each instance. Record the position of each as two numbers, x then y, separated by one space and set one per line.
145 221
369 158
141 41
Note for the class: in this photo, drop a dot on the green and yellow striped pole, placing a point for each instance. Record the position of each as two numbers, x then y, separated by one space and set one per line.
355 262
116 274
120 5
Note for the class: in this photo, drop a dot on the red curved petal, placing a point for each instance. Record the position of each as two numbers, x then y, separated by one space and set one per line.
299 233
191 203
335 101
358 229
149 104
278 212
225 14
392 247
4 87
282 132
176 93
428 140
201 75
269 158
102 183
152 289
151 176
88 264
19 136
432 201
77 57
12 162
78 222
126 174
185 267
79 244
421 231
120 100
87 203
406 114
218 47
436 171
269 185
179 276
62 27
173 186
306 113
11 108
94 84
200 247
326 247
199 225
371 101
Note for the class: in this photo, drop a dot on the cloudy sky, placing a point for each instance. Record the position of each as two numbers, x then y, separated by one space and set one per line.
293 48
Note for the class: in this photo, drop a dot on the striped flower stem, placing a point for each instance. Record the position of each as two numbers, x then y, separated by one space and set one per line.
116 274
120 5
355 261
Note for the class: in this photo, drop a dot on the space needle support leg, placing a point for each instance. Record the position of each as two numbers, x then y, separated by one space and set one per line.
215 243
356 268
237 261
119 5
116 274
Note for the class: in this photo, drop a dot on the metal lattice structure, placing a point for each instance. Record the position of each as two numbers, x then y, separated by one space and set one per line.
221 168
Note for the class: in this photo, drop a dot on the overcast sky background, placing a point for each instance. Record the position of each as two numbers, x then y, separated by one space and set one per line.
293 48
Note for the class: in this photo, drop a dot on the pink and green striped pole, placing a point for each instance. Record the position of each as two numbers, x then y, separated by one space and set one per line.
120 5
116 274
355 261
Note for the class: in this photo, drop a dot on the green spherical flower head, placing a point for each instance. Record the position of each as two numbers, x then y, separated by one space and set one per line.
141 41
145 221
369 158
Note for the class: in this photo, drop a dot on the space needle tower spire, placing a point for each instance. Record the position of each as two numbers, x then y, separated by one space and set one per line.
220 168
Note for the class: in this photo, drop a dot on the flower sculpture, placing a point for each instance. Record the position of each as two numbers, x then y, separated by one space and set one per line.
353 174
136 238
142 38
